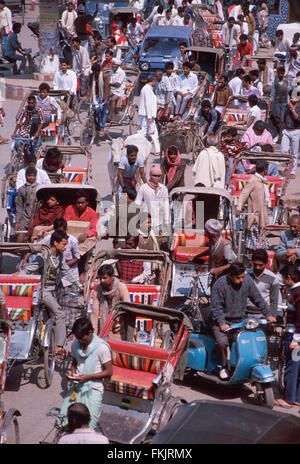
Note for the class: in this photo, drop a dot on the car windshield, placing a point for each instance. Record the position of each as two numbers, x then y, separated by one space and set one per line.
161 46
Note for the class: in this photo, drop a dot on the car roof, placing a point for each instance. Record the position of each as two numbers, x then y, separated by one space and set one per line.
170 31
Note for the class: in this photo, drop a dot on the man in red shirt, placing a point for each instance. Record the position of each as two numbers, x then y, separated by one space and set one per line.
244 48
80 211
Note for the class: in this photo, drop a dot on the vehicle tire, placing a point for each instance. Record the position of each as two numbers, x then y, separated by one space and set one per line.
266 398
281 368
49 359
10 433
88 133
170 411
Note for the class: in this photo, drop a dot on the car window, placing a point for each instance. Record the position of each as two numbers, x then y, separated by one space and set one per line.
161 46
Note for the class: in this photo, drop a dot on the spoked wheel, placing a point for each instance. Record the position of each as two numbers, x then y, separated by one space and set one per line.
10 433
88 133
49 359
266 395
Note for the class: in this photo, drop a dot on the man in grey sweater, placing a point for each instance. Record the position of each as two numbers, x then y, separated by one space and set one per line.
228 305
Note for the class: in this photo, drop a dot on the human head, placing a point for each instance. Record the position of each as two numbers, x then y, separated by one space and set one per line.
231 21
60 224
280 72
31 102
239 72
106 276
259 261
132 153
17 28
131 241
211 141
296 37
53 160
254 74
259 127
231 134
261 167
243 39
109 55
30 174
130 191
116 63
294 51
213 227
76 43
186 19
78 416
291 274
2 4
151 80
111 41
29 159
223 80
192 59
180 11
295 224
168 14
145 224
64 64
81 9
83 331
169 67
182 47
262 63
172 153
96 69
236 273
160 9
247 81
59 240
253 100
81 201
158 76
97 38
44 89
205 106
279 34
186 68
52 200
155 174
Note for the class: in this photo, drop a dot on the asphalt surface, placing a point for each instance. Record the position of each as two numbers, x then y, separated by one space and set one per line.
25 384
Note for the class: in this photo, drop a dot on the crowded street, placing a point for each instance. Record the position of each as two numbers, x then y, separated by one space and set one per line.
150 221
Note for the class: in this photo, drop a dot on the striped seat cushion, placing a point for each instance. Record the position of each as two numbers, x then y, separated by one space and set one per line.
18 307
74 175
239 181
236 116
50 130
131 382
21 295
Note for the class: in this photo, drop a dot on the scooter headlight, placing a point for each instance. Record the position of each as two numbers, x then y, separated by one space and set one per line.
145 66
251 324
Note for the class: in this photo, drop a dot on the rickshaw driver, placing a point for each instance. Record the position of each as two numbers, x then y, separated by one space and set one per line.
228 305
57 270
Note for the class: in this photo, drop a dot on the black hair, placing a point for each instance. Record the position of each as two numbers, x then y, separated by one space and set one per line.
64 60
16 26
247 79
261 61
267 147
239 72
261 166
180 9
97 35
260 255
30 170
183 43
279 32
292 270
160 9
131 149
205 104
58 236
192 57
106 269
44 86
135 237
243 37
82 327
172 150
253 100
29 158
280 69
225 77
186 64
96 67
259 125
78 415
130 191
254 72
232 131
53 153
109 52
80 194
236 269
169 65
60 223
295 217
31 98
76 39
112 39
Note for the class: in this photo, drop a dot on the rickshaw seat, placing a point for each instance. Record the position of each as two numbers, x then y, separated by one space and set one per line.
238 115
21 294
135 367
217 38
188 244
239 181
50 130
74 175
144 294
184 254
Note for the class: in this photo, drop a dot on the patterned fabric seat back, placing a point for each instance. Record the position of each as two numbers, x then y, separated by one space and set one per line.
21 295
218 38
238 116
74 175
239 181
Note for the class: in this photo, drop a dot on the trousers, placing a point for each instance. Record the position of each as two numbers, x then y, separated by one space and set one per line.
143 128
58 315
291 374
181 103
290 140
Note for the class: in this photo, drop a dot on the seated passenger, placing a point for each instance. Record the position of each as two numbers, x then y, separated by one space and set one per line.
25 201
117 87
132 270
109 292
52 163
41 175
45 217
147 238
46 104
173 168
187 87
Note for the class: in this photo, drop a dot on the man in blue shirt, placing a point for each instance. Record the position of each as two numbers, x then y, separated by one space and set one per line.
128 166
13 46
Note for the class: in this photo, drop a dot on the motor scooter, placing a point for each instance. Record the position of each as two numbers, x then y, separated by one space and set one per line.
248 358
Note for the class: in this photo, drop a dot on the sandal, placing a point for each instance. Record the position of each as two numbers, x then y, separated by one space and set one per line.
283 404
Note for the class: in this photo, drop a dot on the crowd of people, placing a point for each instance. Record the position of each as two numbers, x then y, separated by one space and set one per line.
98 73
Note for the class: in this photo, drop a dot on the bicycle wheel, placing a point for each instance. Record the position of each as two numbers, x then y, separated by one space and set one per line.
281 369
49 359
10 433
88 133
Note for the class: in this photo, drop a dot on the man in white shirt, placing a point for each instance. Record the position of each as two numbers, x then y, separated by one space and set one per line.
117 86
68 18
178 20
254 114
266 73
147 113
230 34
281 44
173 79
81 64
167 20
163 90
41 176
236 84
158 17
188 84
153 198
65 79
5 24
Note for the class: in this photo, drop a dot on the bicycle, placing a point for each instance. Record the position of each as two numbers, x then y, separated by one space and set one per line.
243 254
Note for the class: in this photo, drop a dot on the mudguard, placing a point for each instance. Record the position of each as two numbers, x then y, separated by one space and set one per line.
261 373
45 334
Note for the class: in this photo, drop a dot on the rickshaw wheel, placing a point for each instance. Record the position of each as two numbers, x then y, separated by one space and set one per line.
10 433
266 398
281 368
170 410
88 133
49 359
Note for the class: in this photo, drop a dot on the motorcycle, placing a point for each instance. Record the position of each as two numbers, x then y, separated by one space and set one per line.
248 356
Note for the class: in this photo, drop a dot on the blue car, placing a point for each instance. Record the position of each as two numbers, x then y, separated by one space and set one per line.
161 45
101 23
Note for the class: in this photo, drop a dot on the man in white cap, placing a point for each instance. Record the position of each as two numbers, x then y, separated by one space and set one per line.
117 86
220 251
147 113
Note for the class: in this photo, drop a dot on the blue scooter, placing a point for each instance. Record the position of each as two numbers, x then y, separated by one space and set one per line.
247 362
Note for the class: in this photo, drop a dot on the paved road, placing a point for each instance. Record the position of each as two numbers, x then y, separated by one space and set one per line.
24 388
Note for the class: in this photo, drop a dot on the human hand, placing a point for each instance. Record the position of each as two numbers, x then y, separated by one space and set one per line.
82 378
82 238
224 327
293 346
271 319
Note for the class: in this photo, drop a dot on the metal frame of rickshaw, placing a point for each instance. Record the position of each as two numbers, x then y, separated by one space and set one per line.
68 152
144 397
184 267
26 338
